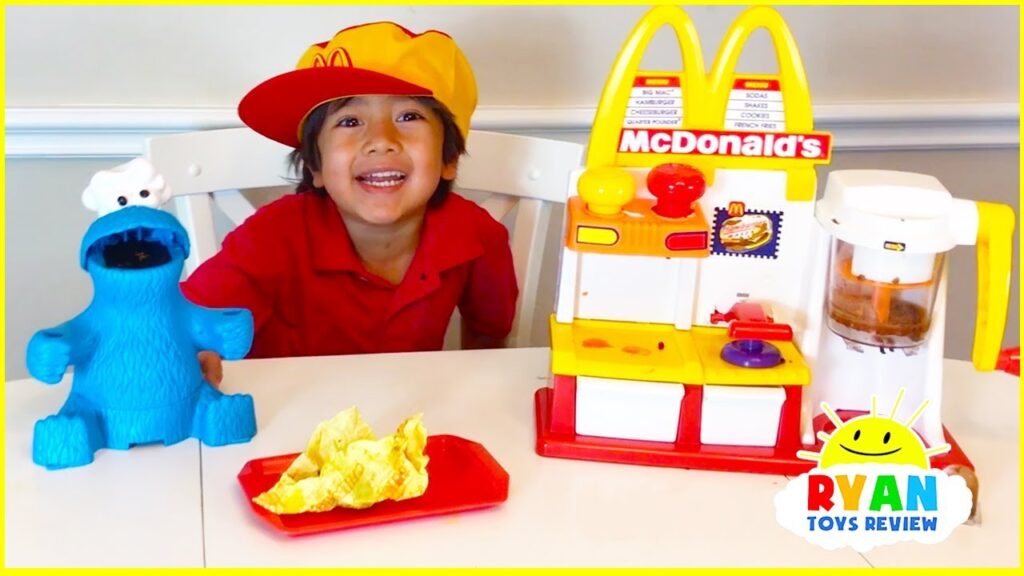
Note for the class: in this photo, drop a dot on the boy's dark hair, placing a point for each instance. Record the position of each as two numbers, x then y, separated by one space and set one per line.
307 156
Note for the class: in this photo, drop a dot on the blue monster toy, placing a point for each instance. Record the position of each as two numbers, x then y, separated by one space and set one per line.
137 377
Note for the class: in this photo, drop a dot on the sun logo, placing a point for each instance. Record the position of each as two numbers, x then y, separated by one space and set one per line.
871 438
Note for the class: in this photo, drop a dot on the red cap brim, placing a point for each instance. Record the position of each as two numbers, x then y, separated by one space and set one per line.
276 107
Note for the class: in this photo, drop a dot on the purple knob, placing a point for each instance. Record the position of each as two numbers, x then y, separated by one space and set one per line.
751 354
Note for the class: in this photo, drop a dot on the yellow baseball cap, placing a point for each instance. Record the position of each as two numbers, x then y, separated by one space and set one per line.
377 58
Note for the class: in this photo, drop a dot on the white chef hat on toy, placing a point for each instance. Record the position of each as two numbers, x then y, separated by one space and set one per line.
135 183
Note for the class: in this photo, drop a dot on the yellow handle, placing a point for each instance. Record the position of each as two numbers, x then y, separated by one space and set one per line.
994 250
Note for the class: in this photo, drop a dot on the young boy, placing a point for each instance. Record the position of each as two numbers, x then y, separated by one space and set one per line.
374 252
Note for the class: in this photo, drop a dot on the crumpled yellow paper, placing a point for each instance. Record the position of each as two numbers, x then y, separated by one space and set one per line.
344 465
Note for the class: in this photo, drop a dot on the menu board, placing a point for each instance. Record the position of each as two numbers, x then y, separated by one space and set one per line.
655 102
755 105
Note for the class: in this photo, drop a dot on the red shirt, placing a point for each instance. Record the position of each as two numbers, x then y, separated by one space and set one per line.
292 264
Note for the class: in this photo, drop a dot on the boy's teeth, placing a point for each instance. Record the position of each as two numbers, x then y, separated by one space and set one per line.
389 175
383 179
383 183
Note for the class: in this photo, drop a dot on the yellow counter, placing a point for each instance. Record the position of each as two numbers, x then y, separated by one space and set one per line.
660 353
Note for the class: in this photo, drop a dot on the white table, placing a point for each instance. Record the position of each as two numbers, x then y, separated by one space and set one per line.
565 512
140 507
559 512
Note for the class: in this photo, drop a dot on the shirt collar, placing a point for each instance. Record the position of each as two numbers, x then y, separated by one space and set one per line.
447 240
329 243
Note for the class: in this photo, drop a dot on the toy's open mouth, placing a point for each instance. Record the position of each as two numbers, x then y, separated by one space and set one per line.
136 248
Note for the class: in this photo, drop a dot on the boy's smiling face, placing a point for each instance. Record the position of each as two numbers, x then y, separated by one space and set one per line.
381 158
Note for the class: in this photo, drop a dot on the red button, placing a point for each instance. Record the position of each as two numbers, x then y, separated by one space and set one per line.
677 187
687 241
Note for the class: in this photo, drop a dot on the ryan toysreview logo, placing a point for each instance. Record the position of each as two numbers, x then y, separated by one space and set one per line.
721 143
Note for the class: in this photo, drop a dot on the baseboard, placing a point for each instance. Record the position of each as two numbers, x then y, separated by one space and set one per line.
120 132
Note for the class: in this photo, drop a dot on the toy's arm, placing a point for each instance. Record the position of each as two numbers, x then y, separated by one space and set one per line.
52 350
226 331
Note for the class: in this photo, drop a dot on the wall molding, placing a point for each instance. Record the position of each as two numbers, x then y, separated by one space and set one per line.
904 125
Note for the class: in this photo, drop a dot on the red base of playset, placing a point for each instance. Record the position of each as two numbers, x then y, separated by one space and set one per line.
780 459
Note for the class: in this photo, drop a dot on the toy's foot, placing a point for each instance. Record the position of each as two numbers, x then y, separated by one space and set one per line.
224 420
62 441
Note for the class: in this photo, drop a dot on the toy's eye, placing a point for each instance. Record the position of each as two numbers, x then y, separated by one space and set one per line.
122 200
144 193
885 439
856 435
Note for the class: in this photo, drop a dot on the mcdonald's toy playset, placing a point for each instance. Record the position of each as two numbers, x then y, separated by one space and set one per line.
708 307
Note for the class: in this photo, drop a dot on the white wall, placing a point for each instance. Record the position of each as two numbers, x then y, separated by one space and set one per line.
522 55
924 88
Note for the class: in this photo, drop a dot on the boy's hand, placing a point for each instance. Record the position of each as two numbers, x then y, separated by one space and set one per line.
212 367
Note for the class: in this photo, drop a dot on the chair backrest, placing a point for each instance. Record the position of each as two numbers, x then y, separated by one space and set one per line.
502 171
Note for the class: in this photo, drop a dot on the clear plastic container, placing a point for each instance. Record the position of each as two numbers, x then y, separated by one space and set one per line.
882 298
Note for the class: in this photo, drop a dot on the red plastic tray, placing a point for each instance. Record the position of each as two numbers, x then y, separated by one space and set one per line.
463 476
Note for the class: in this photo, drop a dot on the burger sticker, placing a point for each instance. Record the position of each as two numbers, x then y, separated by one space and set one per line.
745 233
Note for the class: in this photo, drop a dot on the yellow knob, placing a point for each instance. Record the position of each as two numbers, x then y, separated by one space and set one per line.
606 190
